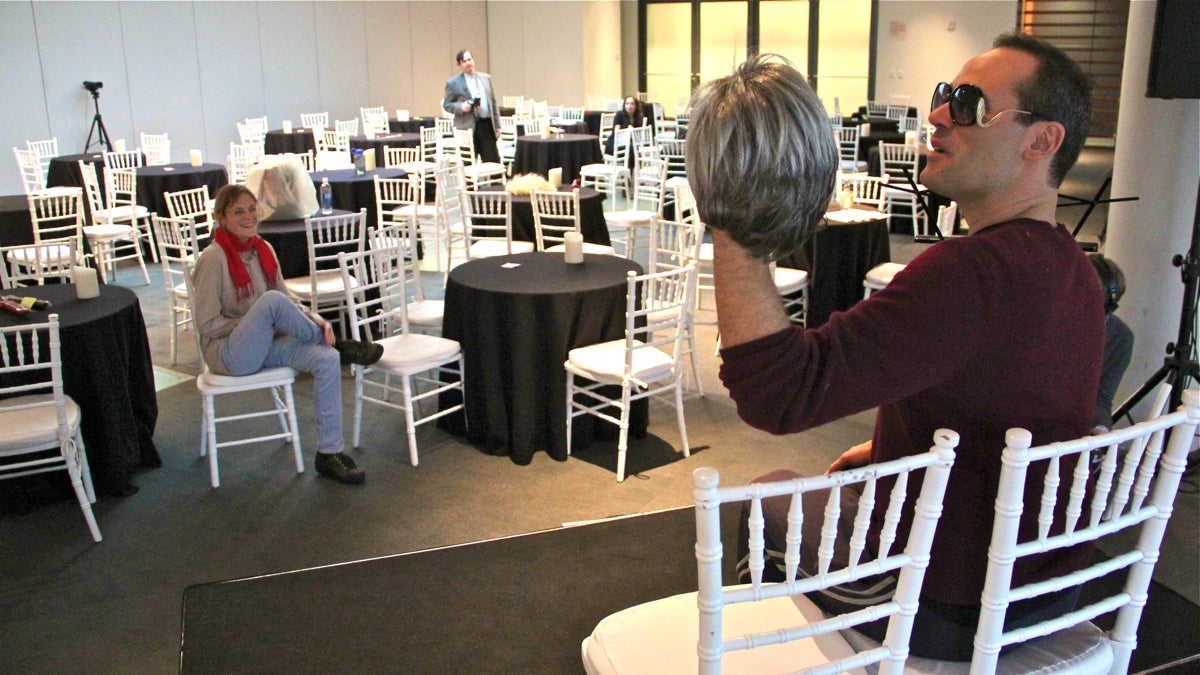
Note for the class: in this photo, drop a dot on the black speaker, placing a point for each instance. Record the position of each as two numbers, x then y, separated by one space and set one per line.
1174 59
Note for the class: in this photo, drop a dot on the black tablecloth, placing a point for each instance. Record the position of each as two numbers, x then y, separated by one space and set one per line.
516 326
410 126
402 140
107 370
353 191
843 255
64 170
16 226
153 181
290 242
569 151
591 217
299 141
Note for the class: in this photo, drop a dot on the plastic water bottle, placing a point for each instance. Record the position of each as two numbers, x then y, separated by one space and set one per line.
360 166
326 197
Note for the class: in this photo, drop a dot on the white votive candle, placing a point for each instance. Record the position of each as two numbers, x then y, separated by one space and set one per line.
119 145
87 284
197 159
910 137
574 247
556 176
287 126
368 159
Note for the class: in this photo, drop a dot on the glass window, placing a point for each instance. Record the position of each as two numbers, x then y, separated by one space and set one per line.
669 53
844 46
783 29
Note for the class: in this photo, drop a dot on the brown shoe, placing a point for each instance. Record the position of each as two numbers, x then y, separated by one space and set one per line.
340 468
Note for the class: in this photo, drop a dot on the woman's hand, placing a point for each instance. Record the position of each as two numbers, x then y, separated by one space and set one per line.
859 455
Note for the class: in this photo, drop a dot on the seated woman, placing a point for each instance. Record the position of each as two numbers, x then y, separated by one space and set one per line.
631 114
247 321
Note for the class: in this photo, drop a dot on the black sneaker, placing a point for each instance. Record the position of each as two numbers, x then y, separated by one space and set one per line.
359 353
340 468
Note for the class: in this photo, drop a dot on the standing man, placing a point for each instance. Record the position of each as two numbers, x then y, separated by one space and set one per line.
1000 329
472 99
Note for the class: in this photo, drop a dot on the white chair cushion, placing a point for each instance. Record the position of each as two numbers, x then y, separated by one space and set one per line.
605 362
35 426
602 170
630 218
415 353
588 247
99 232
789 280
426 312
1082 648
661 636
328 283
210 381
883 273
706 252
26 256
120 213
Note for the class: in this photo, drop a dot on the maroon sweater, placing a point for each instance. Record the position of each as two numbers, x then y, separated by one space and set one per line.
1004 328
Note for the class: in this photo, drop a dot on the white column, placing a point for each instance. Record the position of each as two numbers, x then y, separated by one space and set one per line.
1157 159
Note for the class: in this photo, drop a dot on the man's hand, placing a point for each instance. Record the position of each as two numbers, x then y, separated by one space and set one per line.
859 455
466 106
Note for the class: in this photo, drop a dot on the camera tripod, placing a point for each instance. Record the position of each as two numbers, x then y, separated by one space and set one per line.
97 126
1180 365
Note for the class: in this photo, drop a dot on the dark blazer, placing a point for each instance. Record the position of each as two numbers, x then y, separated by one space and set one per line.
457 91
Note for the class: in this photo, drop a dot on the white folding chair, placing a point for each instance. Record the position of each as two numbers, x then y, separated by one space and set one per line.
675 244
613 173
1134 488
648 361
488 215
347 127
332 149
880 276
554 214
178 245
894 160
278 380
157 148
124 159
771 627
46 150
847 138
321 289
379 311
37 415
114 233
478 173
314 120
424 314
194 205
649 190
57 219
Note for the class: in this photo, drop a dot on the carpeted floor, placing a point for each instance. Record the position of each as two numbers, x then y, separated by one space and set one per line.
517 604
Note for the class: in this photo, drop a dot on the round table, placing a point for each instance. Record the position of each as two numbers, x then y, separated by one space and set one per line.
352 190
154 181
290 241
107 371
299 141
837 259
64 170
400 140
516 325
413 125
566 151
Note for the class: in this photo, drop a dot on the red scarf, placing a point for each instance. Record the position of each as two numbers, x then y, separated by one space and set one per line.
237 269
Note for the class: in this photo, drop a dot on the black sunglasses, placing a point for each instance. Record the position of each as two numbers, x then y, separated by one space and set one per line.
966 105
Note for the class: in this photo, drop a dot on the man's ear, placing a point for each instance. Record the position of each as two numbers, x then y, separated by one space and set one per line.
1046 137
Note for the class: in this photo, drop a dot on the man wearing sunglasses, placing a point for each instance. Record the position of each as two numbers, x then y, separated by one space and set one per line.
999 329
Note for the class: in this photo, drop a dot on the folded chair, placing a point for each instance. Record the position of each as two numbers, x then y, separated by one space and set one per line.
771 627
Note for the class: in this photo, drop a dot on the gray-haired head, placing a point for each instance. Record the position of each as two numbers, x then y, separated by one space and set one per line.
761 158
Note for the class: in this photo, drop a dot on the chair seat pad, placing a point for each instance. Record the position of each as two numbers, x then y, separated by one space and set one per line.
661 636
426 312
608 170
415 353
120 213
488 248
1082 648
674 181
267 377
102 232
631 218
486 168
789 280
605 362
328 283
423 211
50 254
36 426
588 247
853 166
706 252
883 273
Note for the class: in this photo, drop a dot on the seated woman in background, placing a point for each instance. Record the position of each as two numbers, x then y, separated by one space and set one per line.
631 114
247 321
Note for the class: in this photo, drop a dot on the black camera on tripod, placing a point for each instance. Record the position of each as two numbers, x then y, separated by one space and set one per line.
93 87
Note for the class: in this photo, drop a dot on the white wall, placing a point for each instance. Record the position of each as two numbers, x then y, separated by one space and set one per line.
194 69
922 42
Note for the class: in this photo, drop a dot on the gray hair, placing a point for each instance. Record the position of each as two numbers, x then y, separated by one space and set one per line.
761 156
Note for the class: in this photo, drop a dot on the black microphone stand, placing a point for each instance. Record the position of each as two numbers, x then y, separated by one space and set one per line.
922 204
1091 206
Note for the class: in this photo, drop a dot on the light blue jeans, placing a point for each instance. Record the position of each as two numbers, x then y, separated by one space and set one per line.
275 332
